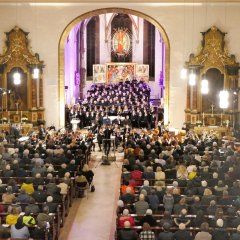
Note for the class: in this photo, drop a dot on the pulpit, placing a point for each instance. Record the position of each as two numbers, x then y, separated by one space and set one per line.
75 123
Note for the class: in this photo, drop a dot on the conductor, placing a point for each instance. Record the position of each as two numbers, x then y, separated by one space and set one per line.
107 140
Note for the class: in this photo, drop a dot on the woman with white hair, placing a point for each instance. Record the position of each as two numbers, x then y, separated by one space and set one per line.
125 217
220 233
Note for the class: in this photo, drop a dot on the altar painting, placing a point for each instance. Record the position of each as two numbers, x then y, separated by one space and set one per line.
142 72
99 73
120 72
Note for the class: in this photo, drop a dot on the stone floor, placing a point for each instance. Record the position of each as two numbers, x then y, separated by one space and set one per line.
94 217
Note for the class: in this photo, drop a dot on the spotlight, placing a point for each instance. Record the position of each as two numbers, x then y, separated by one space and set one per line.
36 73
16 78
223 99
192 79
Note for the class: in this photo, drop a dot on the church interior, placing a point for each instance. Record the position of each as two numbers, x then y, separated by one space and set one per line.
127 111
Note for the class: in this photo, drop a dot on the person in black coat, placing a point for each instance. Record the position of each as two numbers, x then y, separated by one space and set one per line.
127 233
166 234
219 232
107 139
148 218
182 233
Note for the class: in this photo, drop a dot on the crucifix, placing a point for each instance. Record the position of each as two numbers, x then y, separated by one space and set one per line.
212 106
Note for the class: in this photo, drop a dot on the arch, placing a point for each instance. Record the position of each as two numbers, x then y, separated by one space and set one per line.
83 16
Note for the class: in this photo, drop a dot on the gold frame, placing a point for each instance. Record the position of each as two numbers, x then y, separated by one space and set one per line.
212 54
17 53
68 28
119 63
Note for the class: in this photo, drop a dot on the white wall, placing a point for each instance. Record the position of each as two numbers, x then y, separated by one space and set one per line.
70 67
53 18
105 48
137 54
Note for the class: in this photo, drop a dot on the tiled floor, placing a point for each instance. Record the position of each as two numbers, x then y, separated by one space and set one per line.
94 218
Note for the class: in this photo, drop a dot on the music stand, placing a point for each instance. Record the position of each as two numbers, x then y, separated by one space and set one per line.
106 149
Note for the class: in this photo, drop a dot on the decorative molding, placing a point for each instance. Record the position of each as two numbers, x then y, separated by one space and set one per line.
213 52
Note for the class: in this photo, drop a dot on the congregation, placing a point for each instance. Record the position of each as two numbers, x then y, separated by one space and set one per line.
180 189
38 181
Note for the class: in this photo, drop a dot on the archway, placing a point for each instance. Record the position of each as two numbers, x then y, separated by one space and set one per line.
63 38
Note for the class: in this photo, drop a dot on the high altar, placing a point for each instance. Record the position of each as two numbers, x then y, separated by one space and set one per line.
22 102
120 71
221 70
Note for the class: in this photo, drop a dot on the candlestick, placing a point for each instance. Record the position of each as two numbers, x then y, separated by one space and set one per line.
221 119
203 119
21 116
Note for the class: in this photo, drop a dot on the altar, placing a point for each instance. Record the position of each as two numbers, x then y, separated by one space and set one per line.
220 131
120 72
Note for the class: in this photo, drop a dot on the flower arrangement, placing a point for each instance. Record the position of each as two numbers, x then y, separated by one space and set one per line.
24 119
4 119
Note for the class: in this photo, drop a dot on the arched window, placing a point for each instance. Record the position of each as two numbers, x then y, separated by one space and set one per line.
149 48
92 44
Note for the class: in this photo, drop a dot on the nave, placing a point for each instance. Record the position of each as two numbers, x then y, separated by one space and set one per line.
94 216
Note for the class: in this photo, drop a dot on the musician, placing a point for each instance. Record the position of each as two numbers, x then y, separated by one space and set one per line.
107 139
117 121
90 142
81 117
15 131
100 137
42 132
127 121
87 119
134 119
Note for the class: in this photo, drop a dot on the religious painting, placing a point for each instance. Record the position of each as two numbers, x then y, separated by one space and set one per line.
120 72
17 99
99 73
142 72
121 43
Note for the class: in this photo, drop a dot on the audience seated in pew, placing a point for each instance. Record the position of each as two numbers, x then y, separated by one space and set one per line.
197 198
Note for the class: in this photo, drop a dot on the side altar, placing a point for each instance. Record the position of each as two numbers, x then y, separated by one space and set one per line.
21 81
218 70
218 130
